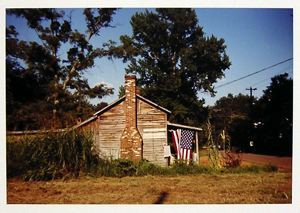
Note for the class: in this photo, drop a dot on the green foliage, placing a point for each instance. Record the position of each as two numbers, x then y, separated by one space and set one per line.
122 168
17 155
147 168
274 111
47 70
251 169
213 152
67 155
173 60
121 91
267 122
184 169
51 156
232 113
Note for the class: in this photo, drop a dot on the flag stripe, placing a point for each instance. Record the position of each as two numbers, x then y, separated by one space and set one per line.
176 143
178 133
182 140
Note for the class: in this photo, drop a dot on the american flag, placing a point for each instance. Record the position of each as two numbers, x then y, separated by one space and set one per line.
183 140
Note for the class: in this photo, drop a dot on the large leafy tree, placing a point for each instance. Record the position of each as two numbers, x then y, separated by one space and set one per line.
174 60
268 121
45 76
275 113
233 114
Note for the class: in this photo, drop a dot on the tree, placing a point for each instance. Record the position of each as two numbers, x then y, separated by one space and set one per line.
173 60
25 88
268 121
121 91
275 109
233 114
51 68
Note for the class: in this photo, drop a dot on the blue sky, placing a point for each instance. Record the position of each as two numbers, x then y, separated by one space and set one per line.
255 39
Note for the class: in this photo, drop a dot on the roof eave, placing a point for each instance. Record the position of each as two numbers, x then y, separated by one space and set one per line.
95 115
153 104
110 105
85 122
185 126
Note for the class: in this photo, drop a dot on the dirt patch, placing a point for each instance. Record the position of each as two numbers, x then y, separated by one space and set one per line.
193 189
282 163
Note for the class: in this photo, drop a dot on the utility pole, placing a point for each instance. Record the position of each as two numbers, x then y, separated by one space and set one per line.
250 113
251 89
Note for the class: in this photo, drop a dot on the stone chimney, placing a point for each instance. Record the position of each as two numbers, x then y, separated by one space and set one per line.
131 140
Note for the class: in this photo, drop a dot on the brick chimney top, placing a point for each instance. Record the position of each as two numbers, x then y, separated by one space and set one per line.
128 77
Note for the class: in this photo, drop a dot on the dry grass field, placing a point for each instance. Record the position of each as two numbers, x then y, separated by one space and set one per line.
243 188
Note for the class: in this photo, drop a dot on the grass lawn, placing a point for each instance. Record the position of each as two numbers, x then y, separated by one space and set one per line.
192 189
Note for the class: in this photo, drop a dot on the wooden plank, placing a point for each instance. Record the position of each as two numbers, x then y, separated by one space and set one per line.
155 130
152 117
185 126
156 142
154 135
145 108
111 125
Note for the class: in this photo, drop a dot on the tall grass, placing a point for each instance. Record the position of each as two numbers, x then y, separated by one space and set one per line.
63 155
50 156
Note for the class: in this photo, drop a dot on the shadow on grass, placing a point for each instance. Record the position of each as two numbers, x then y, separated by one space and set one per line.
162 197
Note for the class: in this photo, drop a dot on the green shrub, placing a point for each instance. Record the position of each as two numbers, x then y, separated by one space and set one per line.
251 169
123 167
270 168
144 167
184 169
17 157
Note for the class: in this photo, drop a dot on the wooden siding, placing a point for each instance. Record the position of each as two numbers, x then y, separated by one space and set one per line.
107 130
152 125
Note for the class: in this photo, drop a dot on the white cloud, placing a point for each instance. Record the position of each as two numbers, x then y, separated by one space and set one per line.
108 85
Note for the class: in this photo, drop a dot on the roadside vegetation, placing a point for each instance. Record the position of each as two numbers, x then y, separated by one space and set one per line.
50 156
79 176
71 154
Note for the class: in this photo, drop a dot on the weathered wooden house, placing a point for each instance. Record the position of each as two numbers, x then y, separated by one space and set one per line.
133 127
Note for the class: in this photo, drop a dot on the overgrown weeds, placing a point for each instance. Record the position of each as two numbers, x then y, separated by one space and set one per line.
54 155
65 155
121 168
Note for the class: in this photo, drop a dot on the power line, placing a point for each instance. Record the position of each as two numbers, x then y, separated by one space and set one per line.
246 76
262 81
266 79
